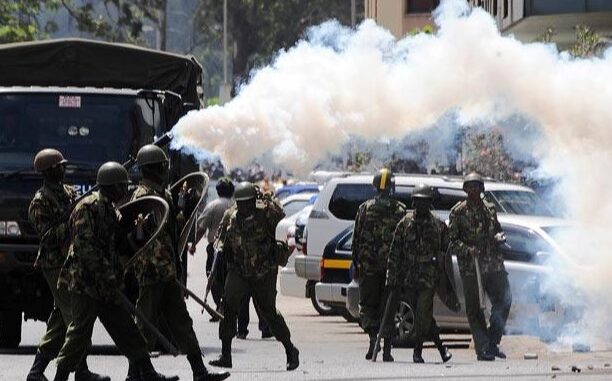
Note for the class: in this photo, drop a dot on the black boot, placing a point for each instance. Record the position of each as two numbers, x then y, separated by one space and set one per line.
200 373
494 350
387 350
444 353
61 375
293 356
225 360
148 373
37 372
417 353
370 352
84 374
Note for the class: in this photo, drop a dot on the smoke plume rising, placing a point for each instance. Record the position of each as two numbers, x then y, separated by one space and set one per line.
338 83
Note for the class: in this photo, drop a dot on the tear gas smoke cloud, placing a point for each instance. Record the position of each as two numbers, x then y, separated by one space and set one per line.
337 83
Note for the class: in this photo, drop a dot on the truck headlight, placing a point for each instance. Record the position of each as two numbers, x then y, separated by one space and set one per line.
10 228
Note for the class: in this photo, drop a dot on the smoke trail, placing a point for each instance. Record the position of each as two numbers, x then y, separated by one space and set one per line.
339 83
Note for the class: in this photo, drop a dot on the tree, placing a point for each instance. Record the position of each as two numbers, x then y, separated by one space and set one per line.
484 152
19 20
260 28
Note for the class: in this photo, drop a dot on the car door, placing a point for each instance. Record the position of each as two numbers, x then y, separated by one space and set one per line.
524 274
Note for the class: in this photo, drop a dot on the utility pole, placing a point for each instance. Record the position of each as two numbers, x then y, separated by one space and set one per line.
225 88
353 14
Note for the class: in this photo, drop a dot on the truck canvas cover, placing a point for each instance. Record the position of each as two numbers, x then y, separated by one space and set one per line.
87 63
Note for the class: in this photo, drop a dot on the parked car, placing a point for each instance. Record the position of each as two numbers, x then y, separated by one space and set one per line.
290 284
338 201
530 244
296 188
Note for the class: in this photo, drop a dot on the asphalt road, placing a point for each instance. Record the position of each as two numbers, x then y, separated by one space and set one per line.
330 349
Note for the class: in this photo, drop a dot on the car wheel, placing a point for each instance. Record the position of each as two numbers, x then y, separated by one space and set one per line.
10 329
404 325
348 317
322 308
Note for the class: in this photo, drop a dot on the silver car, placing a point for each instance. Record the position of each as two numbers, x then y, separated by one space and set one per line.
530 244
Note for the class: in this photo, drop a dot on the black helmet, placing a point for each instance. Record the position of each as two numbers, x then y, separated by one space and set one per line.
473 178
150 154
422 191
111 173
245 191
225 187
384 180
47 158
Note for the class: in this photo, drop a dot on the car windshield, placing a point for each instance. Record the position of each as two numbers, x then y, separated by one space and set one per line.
519 202
88 129
294 206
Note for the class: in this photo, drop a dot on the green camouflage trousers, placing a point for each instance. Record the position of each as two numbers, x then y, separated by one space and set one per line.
421 301
60 317
115 319
166 300
372 301
263 292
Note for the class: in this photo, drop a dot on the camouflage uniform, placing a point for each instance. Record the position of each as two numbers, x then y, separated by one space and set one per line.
159 294
247 245
374 226
418 244
91 273
474 225
49 203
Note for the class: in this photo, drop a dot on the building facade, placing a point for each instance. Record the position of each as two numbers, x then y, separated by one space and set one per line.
528 20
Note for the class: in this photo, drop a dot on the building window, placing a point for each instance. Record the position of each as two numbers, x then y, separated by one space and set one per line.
421 6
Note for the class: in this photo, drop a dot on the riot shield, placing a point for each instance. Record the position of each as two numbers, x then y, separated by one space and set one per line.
189 196
141 221
446 286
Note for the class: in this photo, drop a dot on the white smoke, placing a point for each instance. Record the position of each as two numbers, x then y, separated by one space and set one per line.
338 83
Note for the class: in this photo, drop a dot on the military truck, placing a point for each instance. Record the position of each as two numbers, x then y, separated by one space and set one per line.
93 101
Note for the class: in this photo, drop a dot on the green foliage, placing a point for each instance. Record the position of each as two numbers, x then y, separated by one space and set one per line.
258 29
587 42
19 20
427 29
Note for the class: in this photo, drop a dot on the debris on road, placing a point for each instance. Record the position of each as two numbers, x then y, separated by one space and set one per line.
555 368
530 356
575 369
590 367
606 365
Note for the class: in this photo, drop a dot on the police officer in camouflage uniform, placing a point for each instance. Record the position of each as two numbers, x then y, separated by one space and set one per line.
91 273
374 226
475 233
52 200
419 240
155 269
249 252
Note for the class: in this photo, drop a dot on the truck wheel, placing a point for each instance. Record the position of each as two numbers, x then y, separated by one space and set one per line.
10 329
322 308
404 324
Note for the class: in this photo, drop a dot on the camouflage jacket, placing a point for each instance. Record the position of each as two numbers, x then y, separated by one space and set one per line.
416 252
247 242
157 263
374 226
49 203
92 266
475 226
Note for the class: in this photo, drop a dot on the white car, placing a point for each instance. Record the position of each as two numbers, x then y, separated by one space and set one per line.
290 283
338 201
